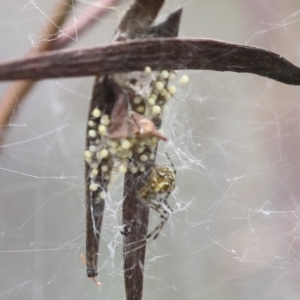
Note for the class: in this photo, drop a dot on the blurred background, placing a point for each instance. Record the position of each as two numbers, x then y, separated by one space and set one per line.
234 139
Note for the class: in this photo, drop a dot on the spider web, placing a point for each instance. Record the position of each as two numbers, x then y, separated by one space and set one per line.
234 139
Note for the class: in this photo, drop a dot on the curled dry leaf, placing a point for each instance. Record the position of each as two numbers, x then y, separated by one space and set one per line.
126 123
147 127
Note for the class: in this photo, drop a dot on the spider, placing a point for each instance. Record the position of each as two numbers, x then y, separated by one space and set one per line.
161 181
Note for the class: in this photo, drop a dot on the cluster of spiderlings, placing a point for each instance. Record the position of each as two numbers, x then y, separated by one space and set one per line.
98 158
145 154
149 102
103 151
148 97
160 94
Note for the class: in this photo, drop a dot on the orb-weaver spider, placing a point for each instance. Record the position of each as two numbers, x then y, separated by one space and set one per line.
161 181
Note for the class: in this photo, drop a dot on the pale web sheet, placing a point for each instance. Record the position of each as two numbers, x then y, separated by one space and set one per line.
235 142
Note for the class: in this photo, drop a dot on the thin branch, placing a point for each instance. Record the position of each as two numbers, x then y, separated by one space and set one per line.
171 53
139 17
88 18
135 213
135 220
19 89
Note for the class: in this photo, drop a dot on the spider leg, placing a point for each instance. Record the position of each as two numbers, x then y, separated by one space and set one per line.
165 202
154 233
171 163
161 181
164 209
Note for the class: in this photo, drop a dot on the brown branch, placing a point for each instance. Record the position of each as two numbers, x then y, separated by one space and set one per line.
173 53
136 214
139 17
19 89
135 220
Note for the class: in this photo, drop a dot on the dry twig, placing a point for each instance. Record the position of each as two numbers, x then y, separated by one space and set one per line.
170 53
19 89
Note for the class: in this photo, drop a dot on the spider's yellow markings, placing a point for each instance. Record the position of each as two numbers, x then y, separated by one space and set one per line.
161 180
